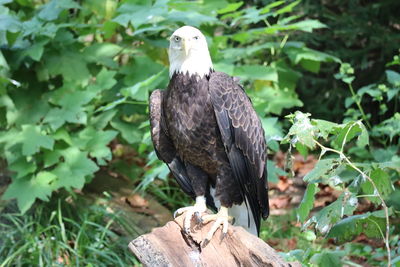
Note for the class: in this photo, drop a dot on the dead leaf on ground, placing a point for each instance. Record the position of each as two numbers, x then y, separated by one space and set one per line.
292 243
284 183
137 201
280 202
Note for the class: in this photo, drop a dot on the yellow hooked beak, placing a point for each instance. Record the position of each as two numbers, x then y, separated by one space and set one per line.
186 46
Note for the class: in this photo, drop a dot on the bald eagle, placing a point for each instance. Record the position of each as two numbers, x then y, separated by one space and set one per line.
204 127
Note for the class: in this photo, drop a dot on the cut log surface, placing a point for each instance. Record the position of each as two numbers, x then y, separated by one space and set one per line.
169 246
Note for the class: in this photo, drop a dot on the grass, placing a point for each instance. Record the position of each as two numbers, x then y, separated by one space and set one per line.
63 234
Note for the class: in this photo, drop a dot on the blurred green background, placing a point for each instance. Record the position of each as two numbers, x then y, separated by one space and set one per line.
79 177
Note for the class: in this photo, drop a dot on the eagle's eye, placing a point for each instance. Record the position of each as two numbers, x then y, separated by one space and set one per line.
196 38
177 38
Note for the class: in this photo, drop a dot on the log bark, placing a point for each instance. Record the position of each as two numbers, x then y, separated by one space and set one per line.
170 246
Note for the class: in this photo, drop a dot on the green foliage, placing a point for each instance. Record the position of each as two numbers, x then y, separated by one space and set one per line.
371 180
75 76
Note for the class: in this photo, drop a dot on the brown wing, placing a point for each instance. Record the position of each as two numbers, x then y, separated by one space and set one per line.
163 145
244 141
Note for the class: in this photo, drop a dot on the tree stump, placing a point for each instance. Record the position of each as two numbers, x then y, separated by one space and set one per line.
169 246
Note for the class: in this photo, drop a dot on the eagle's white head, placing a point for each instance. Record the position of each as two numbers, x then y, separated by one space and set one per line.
188 52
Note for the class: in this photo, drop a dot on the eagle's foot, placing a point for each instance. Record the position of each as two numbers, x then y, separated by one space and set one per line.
221 219
196 210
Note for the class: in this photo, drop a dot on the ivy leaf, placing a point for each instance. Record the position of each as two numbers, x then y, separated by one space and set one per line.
27 189
72 172
33 139
307 203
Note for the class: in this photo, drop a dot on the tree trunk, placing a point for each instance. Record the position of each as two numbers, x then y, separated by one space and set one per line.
169 246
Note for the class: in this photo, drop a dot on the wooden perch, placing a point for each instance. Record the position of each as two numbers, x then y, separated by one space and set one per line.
169 246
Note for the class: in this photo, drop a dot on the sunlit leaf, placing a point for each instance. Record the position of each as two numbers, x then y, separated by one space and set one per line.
307 203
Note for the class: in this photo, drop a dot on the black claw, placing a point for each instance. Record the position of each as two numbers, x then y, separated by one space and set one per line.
198 217
223 235
205 243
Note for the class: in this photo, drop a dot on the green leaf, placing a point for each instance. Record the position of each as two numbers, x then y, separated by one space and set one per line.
287 8
102 120
104 81
140 91
22 167
273 172
363 138
328 258
322 170
256 72
230 8
102 53
27 189
138 15
393 77
51 157
383 185
298 54
129 131
302 130
350 227
52 9
70 64
95 142
350 130
190 18
307 25
72 172
331 214
33 139
307 203
324 127
268 8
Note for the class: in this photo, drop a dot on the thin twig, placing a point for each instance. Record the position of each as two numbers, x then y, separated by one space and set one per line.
358 103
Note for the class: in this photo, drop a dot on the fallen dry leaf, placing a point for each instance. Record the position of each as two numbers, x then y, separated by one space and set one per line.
137 201
279 202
